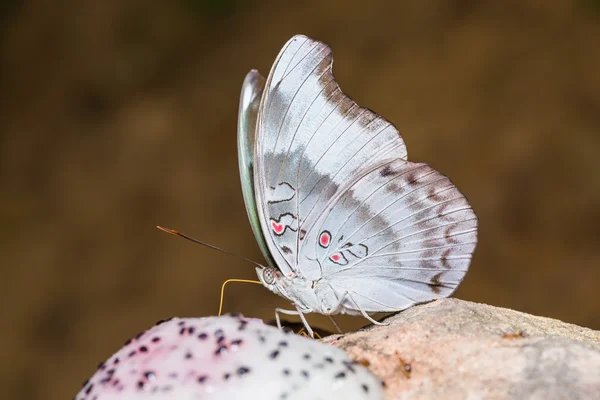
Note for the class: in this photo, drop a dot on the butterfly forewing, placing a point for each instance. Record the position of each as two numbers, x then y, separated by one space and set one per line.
312 140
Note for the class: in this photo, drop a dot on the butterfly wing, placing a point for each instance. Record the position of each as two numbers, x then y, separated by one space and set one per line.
311 140
400 233
252 90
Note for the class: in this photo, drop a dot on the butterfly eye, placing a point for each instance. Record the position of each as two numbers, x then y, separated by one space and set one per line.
269 276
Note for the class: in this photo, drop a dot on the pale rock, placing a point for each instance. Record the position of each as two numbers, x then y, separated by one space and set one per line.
454 349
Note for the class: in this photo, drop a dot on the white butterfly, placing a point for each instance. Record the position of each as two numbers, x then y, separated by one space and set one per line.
346 223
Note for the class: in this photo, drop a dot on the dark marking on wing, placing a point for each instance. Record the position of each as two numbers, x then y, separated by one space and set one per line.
282 200
393 187
448 234
387 171
283 215
429 253
302 234
435 283
445 255
433 195
286 250
412 179
356 255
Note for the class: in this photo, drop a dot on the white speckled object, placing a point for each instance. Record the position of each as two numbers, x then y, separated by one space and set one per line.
228 357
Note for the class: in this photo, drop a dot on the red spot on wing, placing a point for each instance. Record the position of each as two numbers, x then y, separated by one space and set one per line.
324 239
277 227
335 257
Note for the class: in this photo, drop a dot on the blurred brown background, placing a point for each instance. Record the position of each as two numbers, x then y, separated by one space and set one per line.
120 115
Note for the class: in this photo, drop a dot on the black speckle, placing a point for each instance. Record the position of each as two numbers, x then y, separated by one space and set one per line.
139 335
262 339
274 354
236 342
286 372
242 325
102 365
349 365
132 353
202 336
286 250
202 378
143 349
191 330
128 342
162 321
283 343
181 323
227 376
365 388
220 339
219 333
235 314
182 331
188 355
243 370
306 356
155 339
104 381
85 383
340 375
329 360
141 384
304 373
110 371
221 350
117 360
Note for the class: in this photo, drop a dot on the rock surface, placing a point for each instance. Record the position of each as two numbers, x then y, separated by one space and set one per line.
454 349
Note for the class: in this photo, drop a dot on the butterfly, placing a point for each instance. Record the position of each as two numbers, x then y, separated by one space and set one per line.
347 225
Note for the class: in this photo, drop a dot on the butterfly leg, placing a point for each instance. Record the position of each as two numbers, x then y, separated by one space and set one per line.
364 313
335 324
306 325
291 312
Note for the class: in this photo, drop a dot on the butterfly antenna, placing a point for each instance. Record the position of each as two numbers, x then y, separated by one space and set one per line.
210 246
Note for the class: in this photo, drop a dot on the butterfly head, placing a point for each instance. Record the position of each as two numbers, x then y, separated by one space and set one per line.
272 279
268 276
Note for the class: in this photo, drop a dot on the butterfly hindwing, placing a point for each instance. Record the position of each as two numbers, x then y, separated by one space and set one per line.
400 234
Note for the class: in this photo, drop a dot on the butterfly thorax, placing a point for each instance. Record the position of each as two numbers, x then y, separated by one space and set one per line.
307 295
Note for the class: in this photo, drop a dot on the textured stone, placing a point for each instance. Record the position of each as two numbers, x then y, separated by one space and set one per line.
454 349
